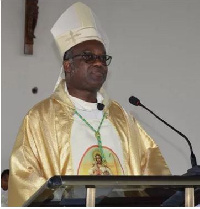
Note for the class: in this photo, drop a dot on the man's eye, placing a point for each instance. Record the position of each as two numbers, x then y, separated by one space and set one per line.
88 56
104 57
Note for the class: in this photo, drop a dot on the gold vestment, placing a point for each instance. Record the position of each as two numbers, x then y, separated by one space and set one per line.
42 148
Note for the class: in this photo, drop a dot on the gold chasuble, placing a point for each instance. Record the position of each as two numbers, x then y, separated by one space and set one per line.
43 148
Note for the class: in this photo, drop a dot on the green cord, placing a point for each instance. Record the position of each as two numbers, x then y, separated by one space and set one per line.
97 133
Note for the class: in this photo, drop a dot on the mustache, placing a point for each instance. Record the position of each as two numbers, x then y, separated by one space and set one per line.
99 69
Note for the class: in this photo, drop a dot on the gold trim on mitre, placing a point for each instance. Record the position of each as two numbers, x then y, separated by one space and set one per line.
74 37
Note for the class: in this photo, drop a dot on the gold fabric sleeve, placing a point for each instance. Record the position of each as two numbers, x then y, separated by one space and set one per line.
25 172
152 162
42 150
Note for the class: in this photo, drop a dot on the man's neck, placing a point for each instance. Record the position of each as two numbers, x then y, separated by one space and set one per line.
84 95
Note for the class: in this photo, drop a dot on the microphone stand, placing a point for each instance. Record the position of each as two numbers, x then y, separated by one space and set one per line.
192 156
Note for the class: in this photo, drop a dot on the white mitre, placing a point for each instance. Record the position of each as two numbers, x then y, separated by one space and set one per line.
76 25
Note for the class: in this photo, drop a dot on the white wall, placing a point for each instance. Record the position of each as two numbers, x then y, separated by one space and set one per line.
155 46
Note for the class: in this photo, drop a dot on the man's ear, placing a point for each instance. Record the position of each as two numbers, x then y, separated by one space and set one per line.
66 65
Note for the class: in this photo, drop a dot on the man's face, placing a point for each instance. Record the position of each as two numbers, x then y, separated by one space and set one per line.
83 75
4 182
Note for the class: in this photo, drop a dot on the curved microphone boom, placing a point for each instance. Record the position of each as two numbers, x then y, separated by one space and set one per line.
135 101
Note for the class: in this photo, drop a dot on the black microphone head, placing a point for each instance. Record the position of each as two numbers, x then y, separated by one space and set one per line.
100 106
135 101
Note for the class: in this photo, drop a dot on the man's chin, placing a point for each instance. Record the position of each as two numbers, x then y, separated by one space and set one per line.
96 85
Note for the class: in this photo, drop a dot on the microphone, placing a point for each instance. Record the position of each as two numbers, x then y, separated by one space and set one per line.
100 106
135 101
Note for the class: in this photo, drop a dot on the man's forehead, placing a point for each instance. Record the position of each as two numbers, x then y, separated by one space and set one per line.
91 45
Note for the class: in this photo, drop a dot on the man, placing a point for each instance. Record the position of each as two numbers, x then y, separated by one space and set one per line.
60 135
4 188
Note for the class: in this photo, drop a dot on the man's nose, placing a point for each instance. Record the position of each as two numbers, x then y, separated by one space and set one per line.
98 62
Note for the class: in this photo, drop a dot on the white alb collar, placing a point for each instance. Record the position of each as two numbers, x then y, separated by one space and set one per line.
83 105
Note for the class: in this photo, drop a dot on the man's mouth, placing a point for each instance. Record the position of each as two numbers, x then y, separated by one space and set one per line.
98 74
